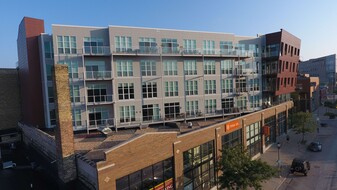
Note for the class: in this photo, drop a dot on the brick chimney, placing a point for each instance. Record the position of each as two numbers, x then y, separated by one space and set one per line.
64 137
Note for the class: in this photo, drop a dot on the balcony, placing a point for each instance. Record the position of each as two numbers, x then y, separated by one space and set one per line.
98 75
100 99
155 50
96 50
269 72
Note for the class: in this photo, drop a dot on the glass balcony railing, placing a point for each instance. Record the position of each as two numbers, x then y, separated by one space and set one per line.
98 75
100 99
96 50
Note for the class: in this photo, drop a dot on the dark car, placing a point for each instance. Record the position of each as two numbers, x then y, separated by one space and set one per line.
315 146
300 166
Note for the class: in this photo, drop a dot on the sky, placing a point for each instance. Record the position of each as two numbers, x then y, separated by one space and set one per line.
314 22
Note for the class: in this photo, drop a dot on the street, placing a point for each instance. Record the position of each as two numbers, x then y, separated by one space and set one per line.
323 173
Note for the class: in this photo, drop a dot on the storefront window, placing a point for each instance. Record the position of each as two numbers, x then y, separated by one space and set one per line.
253 135
232 139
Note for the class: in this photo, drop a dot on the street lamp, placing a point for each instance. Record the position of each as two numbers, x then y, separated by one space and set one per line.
278 157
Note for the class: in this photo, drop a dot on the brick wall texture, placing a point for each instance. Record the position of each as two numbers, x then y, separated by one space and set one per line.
10 111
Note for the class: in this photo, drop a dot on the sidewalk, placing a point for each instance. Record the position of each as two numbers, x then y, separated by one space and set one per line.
288 151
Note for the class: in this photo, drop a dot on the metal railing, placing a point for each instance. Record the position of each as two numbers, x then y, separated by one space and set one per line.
96 50
100 99
98 75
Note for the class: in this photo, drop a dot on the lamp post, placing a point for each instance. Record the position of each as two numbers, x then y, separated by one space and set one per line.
278 157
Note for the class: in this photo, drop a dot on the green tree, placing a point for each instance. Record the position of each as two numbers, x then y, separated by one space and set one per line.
238 171
303 122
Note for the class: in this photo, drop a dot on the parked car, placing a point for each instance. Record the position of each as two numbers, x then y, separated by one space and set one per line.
8 164
300 166
315 146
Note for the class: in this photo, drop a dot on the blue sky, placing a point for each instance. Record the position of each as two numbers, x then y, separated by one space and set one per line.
314 22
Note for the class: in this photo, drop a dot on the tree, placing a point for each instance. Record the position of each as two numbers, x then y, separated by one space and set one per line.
303 122
240 172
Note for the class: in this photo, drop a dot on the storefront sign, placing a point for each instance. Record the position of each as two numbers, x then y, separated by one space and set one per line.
232 125
167 185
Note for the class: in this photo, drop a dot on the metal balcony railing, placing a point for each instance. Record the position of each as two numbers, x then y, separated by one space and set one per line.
96 50
98 75
100 99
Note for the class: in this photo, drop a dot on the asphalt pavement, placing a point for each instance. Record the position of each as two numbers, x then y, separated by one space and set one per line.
289 150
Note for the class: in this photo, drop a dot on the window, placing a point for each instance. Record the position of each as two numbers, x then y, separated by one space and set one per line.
254 84
48 50
226 47
156 176
52 115
170 68
51 94
190 67
98 116
75 93
123 43
66 44
232 139
209 67
209 47
124 68
199 167
253 139
210 87
240 85
151 112
210 106
171 88
192 108
93 45
98 93
227 66
241 103
148 45
72 68
191 87
172 110
241 49
254 101
253 49
149 89
126 91
227 105
169 45
48 70
190 46
127 114
148 68
227 85
77 117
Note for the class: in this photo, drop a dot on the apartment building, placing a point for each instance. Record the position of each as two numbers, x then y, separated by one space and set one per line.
124 77
322 67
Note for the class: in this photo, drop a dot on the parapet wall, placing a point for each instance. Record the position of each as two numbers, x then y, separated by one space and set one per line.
39 140
87 172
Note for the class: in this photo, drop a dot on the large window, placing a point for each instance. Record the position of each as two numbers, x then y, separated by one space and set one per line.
191 87
148 68
127 114
209 67
98 93
190 67
210 106
169 45
226 47
209 47
51 94
240 85
192 108
149 89
151 112
232 139
93 45
210 86
77 117
227 67
254 84
227 85
240 49
282 121
123 43
227 105
172 110
170 67
124 68
241 103
126 91
148 45
199 167
253 136
66 44
190 46
155 177
48 50
254 101
75 93
98 116
171 88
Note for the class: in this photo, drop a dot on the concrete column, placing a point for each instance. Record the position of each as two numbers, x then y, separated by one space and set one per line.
64 137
